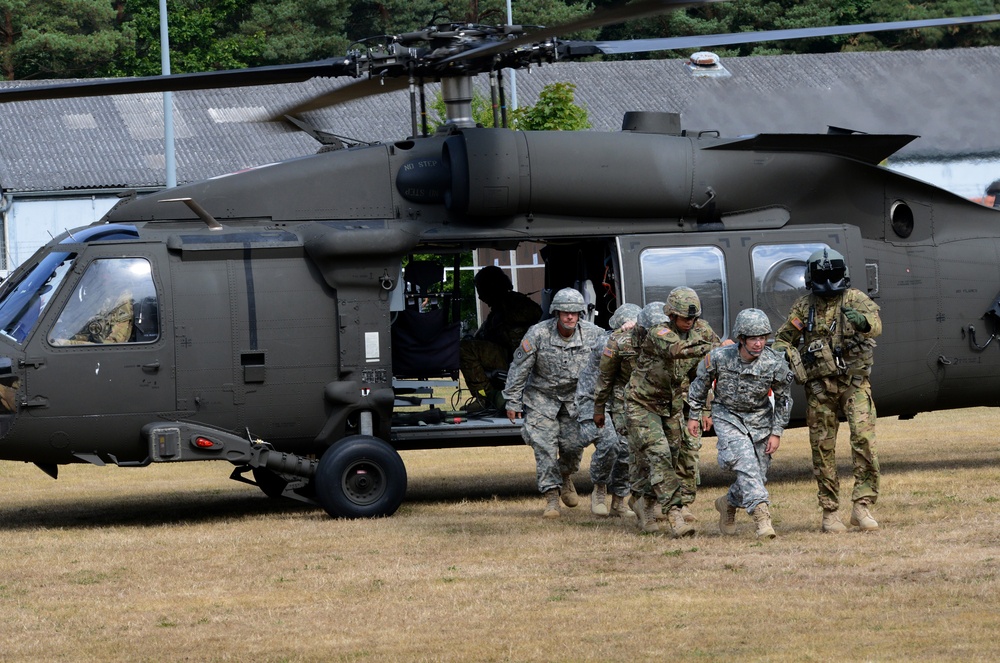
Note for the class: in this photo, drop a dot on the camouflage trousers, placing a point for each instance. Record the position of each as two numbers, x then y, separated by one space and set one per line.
609 462
746 458
853 397
665 458
477 359
557 444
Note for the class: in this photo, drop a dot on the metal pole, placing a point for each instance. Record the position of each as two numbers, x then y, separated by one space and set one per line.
168 101
513 74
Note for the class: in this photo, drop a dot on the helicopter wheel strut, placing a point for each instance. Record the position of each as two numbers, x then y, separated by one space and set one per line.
360 477
270 482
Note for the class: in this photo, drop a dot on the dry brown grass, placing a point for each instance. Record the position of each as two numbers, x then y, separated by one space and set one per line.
175 562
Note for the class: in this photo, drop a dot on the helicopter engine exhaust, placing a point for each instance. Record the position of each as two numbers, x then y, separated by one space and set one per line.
495 173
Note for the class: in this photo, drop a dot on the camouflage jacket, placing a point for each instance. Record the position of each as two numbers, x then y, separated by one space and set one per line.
831 325
662 361
742 390
585 386
546 367
617 361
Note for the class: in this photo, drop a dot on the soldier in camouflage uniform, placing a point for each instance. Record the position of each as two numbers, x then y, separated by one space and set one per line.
747 426
541 387
829 338
683 308
650 414
609 462
650 316
492 347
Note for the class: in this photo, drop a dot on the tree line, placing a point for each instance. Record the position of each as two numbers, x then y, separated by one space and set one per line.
98 38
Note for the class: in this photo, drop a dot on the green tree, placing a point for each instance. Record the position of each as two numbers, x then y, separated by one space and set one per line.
555 111
203 37
57 38
297 30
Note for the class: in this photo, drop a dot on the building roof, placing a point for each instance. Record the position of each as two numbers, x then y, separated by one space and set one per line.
945 97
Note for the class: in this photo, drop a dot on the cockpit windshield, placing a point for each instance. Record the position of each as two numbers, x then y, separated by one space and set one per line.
22 302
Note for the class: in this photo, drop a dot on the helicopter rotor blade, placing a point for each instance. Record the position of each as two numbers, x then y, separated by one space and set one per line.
294 73
367 87
582 49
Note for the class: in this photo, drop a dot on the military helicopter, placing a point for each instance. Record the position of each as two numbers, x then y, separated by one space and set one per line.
258 318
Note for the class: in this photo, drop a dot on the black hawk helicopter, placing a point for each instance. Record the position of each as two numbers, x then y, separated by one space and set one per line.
256 318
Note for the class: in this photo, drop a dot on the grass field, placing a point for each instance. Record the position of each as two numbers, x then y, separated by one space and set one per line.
176 562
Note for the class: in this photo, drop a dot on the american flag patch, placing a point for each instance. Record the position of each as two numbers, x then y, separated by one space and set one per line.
663 332
797 324
526 345
608 352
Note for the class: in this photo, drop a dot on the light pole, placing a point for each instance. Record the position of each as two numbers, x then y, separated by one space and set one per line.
168 101
513 73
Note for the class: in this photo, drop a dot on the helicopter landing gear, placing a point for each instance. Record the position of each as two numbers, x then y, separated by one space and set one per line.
360 477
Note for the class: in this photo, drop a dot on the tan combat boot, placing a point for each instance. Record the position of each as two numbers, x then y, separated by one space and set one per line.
727 516
651 522
551 504
762 517
832 522
618 507
569 495
598 500
862 517
637 505
678 525
688 514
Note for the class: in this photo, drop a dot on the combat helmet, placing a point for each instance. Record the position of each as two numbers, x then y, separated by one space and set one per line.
751 322
683 301
651 315
568 300
492 279
827 273
623 314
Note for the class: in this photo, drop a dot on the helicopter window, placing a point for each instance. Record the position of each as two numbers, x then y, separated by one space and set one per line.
24 300
114 302
780 277
901 217
699 267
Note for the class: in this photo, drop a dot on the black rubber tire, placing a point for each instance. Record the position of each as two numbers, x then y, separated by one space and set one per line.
360 477
270 482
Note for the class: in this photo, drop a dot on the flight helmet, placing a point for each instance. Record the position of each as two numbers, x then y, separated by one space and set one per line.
827 273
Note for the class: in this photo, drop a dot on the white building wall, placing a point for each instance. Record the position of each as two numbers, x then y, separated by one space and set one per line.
30 223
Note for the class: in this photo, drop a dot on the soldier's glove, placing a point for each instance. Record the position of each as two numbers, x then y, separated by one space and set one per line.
854 316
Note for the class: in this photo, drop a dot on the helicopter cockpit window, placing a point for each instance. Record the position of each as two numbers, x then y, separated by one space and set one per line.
114 302
23 301
780 277
701 268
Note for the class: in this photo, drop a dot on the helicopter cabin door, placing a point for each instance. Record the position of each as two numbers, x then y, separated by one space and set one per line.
102 348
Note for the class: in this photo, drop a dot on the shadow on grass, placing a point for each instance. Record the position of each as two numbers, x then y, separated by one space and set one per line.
149 510
173 507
